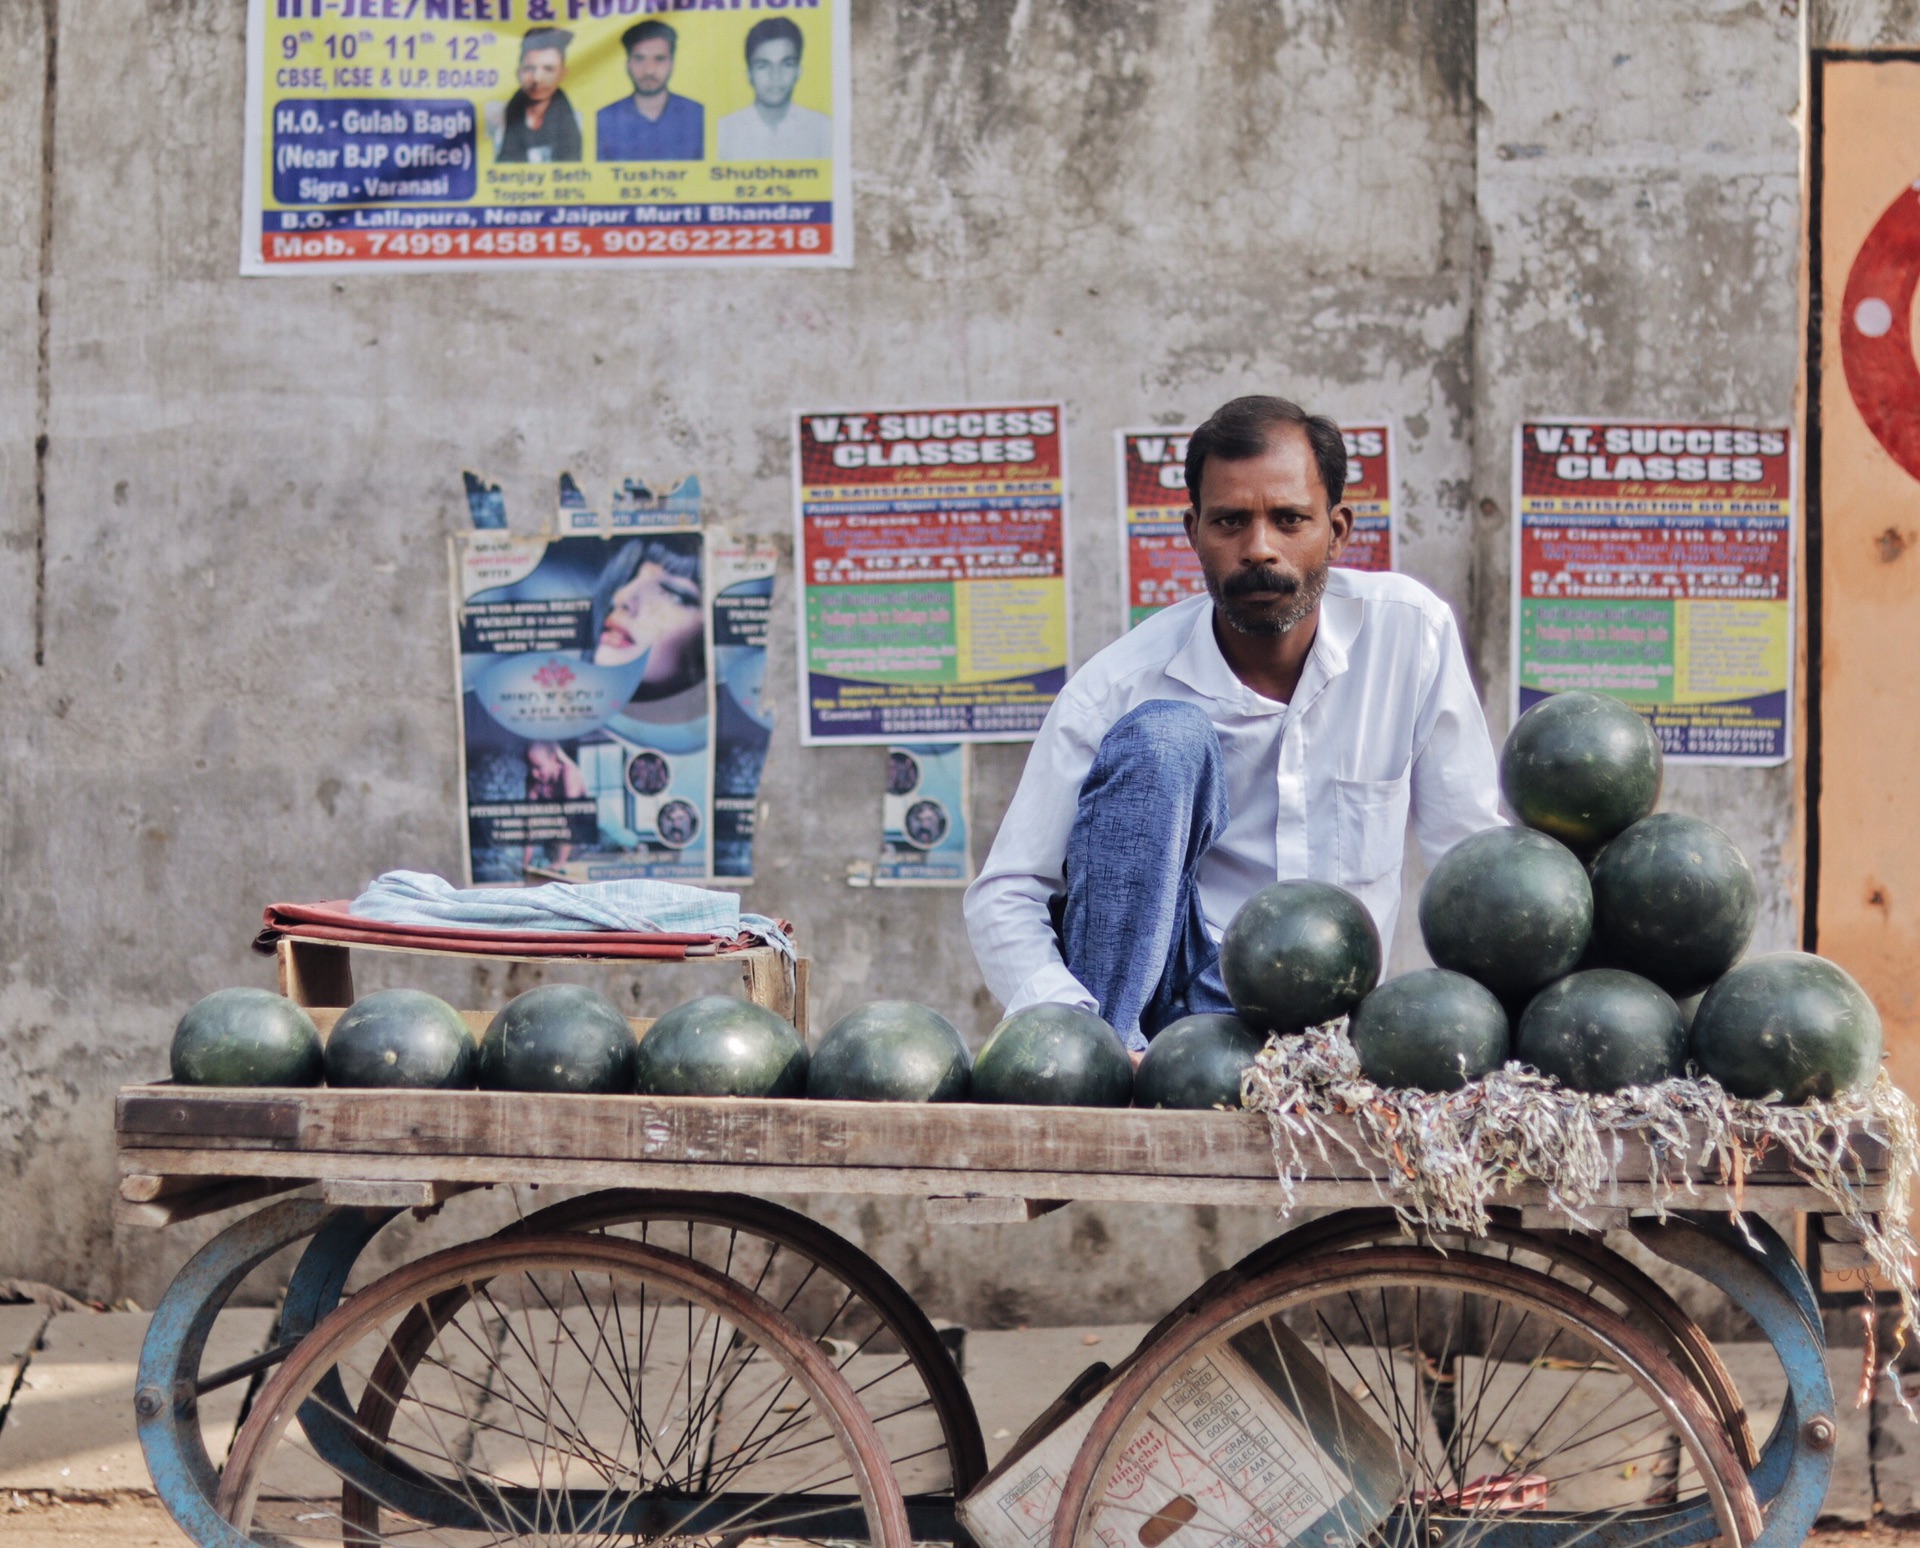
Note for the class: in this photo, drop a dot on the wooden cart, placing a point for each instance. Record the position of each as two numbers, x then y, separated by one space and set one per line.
667 1356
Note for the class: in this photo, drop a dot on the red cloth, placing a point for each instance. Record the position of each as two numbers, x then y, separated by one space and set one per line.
332 922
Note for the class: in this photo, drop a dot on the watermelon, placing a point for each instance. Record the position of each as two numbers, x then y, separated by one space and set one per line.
1603 1029
1432 1030
717 1046
1582 767
1053 1056
1510 908
1299 953
1674 900
246 1037
401 1038
890 1051
1788 1023
1196 1062
558 1037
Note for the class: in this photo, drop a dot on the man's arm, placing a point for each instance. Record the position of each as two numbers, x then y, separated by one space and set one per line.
1009 906
1456 780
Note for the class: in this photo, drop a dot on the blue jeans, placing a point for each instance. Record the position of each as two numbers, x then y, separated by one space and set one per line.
1130 927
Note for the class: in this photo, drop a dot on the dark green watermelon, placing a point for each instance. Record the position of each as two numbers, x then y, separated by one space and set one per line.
1788 1023
1601 1030
717 1046
1510 908
1053 1056
890 1051
246 1037
1674 900
1432 1030
1299 953
1582 767
1196 1061
401 1038
558 1037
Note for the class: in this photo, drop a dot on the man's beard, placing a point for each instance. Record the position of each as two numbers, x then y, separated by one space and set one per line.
1302 595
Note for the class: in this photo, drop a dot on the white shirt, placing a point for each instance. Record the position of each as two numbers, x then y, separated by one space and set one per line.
1384 731
801 135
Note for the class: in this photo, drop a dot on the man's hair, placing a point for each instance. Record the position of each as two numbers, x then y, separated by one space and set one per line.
772 29
1243 429
639 32
545 37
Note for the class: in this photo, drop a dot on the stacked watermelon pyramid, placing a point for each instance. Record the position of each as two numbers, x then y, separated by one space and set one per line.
1600 941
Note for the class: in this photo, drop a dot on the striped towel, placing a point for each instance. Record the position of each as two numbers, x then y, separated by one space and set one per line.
661 907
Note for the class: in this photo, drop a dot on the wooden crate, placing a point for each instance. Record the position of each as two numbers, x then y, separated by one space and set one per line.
319 974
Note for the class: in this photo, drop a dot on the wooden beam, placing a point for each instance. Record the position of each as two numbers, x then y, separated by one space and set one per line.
392 1193
314 972
959 1137
985 1209
907 1182
188 1198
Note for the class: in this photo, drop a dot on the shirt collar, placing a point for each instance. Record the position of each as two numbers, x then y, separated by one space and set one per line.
1199 664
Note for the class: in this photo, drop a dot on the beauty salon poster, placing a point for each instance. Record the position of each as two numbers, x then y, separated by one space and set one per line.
586 694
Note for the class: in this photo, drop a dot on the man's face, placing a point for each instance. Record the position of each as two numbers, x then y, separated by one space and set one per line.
1265 536
540 72
774 69
650 63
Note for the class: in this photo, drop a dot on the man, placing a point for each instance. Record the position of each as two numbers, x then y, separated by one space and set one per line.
1291 722
537 123
774 127
651 124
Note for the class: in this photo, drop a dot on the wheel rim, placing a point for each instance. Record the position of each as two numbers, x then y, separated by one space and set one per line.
1563 1423
565 1388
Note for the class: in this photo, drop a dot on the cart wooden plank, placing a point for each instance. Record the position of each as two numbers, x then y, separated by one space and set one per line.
764 1146
1783 1197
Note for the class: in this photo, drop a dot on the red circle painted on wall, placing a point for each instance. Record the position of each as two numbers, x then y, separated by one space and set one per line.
1876 331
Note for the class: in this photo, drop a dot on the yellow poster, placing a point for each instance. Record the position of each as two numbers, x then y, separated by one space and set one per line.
457 134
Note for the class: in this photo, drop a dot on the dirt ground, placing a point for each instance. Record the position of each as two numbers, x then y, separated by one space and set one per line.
137 1521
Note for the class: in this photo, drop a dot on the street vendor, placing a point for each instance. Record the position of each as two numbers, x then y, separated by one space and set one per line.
1293 721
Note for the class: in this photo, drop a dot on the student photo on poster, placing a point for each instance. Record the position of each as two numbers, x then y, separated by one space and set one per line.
650 123
538 123
773 126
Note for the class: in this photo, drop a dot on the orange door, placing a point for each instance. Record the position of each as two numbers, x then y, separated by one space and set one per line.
1863 536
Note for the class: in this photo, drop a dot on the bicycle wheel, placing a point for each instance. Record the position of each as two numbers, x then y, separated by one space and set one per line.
878 1337
1564 1422
1589 1265
564 1388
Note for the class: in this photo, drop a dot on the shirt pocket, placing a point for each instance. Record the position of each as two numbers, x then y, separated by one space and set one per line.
1370 828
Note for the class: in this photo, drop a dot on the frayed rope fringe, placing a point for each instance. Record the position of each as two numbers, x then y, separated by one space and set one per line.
1441 1159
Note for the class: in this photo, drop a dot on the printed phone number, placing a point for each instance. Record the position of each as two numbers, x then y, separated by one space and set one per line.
664 242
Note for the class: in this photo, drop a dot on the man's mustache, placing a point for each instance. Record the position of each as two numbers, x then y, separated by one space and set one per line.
1245 583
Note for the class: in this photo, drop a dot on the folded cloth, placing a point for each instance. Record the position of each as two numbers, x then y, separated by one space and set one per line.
653 907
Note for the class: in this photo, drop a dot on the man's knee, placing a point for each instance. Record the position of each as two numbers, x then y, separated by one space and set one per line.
1174 737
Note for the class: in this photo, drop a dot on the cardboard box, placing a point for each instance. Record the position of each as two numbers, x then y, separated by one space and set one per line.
1254 1445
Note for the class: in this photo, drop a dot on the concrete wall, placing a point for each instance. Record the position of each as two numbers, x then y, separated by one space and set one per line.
238 687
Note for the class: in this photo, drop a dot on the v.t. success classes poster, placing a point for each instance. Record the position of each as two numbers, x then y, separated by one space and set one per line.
1654 562
931 551
1157 566
444 134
